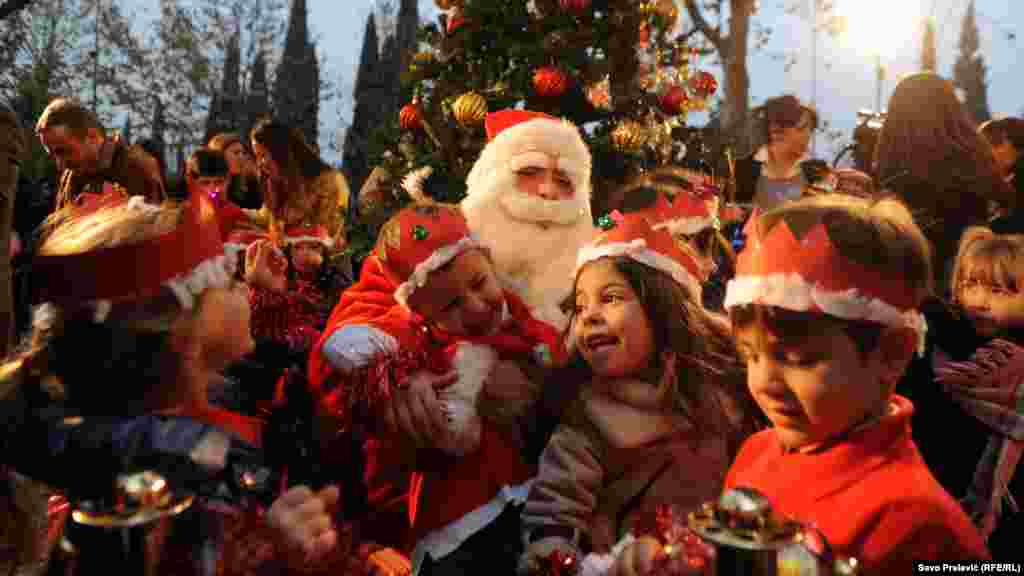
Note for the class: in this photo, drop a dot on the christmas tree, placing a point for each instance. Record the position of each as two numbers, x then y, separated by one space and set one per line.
614 68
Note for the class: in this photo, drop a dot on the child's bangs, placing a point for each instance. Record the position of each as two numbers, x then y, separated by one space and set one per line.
795 329
788 326
994 264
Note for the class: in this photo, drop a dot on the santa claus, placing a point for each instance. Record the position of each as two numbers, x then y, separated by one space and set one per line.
529 201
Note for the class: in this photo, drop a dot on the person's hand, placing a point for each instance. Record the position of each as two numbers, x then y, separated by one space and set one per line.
637 558
413 411
301 521
266 266
389 562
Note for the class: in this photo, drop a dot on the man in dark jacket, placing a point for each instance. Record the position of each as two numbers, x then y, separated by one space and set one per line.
12 153
89 159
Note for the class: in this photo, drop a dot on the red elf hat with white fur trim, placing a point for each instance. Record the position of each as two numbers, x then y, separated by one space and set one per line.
418 240
682 214
187 259
308 233
632 236
811 275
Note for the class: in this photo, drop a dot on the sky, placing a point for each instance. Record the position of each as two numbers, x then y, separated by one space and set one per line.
886 30
846 65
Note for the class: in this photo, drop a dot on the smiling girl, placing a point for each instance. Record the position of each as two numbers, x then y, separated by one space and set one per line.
662 412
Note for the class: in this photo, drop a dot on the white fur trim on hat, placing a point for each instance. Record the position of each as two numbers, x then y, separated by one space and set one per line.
637 250
326 242
687 226
792 292
439 258
539 134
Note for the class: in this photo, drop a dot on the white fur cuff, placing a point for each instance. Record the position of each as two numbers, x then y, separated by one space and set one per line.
792 292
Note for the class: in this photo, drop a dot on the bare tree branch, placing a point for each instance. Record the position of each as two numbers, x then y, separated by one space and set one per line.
12 6
713 35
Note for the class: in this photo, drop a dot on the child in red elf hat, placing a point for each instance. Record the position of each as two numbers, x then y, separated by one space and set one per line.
662 413
428 299
824 311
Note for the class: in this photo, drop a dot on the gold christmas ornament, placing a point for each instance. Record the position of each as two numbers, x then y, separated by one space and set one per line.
599 96
668 11
470 109
628 136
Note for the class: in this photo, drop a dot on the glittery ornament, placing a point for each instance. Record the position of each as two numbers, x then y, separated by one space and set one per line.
644 36
420 233
574 6
673 101
628 136
409 116
550 82
470 109
599 96
703 84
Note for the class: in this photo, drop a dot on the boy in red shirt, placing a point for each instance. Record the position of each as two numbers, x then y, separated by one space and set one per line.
824 311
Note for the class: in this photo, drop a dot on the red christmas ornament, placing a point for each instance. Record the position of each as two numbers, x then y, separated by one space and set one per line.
644 36
559 563
673 101
550 82
409 117
576 6
455 22
703 84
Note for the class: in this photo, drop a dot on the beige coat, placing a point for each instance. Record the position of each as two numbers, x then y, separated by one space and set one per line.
610 461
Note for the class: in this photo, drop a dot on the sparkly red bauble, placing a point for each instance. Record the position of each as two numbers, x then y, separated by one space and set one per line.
455 22
550 82
409 117
673 101
576 6
703 84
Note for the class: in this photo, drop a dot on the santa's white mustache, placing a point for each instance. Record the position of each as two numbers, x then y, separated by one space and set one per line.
529 208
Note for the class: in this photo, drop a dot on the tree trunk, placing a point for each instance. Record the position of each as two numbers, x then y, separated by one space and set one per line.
733 53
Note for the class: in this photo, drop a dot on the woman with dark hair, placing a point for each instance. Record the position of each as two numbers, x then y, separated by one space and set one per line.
1006 135
773 175
244 184
929 154
300 189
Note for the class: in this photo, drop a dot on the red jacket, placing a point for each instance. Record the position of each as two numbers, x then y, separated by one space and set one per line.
872 495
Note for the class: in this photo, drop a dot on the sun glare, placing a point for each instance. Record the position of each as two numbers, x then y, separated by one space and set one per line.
879 27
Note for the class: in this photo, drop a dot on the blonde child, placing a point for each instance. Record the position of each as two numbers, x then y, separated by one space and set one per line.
824 312
979 398
428 301
662 412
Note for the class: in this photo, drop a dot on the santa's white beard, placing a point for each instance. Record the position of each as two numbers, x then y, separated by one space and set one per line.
535 260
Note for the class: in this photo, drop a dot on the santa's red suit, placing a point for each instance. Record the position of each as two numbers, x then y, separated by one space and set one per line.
534 241
373 342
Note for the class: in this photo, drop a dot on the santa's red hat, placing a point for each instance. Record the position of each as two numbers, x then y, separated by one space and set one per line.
418 240
634 237
809 274
308 233
514 132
